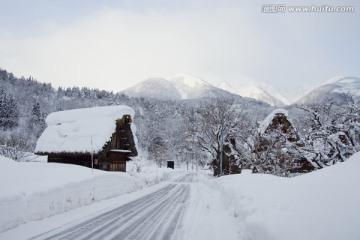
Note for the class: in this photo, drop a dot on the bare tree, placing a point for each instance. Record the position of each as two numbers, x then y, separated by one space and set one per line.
219 121
333 132
14 146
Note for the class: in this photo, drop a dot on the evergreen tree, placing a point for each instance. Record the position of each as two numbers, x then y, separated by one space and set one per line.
36 120
12 115
36 113
2 109
9 113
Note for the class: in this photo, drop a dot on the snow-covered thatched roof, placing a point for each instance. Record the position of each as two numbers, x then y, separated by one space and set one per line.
267 121
81 130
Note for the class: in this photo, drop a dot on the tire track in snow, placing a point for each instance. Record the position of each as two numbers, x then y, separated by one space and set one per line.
155 216
78 231
152 221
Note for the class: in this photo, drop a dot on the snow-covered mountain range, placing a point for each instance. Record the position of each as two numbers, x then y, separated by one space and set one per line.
185 86
334 88
178 87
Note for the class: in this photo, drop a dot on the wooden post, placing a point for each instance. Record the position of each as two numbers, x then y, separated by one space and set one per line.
229 166
92 158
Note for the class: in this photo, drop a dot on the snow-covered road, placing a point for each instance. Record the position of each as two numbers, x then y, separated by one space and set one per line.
155 216
197 206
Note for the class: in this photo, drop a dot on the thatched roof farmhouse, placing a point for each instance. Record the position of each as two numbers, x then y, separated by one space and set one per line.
102 137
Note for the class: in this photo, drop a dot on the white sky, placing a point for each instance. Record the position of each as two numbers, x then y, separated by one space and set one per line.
114 44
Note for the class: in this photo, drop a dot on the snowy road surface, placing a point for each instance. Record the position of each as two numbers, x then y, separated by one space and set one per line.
155 216
195 207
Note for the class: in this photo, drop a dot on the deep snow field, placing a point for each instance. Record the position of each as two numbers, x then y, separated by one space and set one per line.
36 197
321 205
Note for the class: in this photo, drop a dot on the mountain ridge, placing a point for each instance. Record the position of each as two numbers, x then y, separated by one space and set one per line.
334 87
185 86
178 87
256 90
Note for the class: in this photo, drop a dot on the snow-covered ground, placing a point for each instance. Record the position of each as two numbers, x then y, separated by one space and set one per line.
35 190
319 205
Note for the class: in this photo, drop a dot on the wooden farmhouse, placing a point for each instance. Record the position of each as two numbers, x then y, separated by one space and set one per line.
277 128
278 120
100 137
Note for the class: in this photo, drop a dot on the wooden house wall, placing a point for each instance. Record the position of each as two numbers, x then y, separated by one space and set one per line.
118 166
115 161
116 157
124 139
81 159
121 139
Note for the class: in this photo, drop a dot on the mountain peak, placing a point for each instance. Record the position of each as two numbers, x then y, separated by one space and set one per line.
154 87
256 90
180 86
188 80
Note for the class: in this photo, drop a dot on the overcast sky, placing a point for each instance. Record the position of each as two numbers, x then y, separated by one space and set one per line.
114 44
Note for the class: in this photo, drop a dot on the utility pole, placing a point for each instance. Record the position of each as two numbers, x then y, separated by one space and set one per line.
193 146
197 163
229 165
221 150
187 161
177 162
92 157
192 161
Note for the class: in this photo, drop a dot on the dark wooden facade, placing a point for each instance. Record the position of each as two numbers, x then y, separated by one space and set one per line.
171 164
281 124
112 157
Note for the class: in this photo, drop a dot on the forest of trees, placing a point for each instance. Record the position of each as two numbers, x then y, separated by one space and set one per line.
202 131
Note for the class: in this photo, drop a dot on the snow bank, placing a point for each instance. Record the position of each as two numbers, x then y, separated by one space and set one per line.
207 217
33 191
81 130
319 205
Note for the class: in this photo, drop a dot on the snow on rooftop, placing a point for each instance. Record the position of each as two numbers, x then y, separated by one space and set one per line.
81 130
267 121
